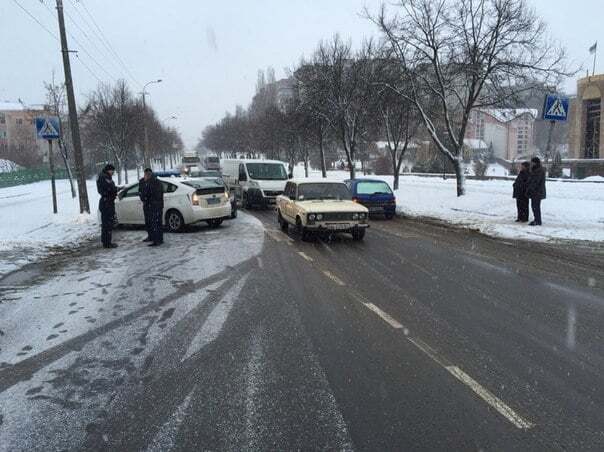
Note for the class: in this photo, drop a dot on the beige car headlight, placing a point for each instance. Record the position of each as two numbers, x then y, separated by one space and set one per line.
319 216
355 216
311 217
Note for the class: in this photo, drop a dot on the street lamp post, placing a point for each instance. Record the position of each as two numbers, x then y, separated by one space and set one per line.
147 161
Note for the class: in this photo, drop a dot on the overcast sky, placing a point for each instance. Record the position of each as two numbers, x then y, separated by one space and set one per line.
208 52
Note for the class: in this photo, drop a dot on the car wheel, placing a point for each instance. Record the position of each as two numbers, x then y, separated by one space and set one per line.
282 223
358 234
215 223
303 233
174 221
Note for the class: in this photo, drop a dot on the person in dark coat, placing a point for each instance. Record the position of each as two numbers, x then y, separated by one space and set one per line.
536 189
108 191
152 196
520 188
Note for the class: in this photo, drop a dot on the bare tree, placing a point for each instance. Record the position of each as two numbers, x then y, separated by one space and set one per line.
55 97
112 119
457 55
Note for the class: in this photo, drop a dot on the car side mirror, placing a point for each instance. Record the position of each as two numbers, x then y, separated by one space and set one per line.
242 177
290 175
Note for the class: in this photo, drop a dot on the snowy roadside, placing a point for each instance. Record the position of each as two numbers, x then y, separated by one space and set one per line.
29 230
571 212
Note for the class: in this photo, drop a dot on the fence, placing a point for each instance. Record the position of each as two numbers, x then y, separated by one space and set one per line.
29 175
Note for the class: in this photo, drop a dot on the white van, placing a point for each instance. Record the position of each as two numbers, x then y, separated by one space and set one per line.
255 182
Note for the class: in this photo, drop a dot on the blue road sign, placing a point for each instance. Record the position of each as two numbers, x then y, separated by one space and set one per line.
555 108
48 127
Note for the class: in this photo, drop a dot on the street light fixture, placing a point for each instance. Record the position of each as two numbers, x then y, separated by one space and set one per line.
146 143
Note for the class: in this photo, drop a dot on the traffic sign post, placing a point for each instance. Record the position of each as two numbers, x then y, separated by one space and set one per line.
555 109
49 128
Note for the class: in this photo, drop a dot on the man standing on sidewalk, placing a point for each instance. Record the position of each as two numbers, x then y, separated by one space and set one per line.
536 189
152 196
108 191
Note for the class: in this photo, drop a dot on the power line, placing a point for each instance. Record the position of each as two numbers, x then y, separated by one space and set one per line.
45 28
36 20
106 51
106 41
81 46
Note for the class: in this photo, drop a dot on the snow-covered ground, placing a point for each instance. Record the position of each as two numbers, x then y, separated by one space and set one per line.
572 210
29 229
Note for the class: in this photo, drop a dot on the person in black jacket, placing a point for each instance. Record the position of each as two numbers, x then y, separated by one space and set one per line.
520 187
536 189
108 191
152 196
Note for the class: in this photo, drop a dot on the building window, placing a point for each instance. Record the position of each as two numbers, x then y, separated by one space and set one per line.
592 129
2 118
19 121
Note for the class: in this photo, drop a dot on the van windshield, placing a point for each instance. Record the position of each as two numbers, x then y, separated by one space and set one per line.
266 171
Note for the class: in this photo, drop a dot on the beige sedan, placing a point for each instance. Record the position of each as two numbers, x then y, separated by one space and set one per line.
314 206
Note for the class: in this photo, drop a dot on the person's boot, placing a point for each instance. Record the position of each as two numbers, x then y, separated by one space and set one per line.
148 239
111 245
534 223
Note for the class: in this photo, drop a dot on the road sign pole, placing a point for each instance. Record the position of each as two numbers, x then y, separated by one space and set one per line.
51 164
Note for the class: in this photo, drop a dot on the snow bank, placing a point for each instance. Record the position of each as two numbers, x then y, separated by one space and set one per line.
30 230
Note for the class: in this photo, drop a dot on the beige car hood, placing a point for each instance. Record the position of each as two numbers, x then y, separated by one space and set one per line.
331 206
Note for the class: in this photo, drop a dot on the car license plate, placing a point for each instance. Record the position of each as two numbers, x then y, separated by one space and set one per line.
213 201
376 209
338 226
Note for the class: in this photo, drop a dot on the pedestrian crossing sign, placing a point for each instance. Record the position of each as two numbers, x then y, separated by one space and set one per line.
48 127
555 108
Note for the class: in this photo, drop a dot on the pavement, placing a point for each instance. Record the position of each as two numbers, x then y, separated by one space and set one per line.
421 337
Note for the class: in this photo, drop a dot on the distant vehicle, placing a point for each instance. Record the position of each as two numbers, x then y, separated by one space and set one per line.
204 173
320 206
190 160
211 162
185 202
374 194
255 182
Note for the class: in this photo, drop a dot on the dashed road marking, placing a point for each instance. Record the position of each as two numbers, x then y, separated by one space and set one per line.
334 278
260 263
490 398
306 256
384 315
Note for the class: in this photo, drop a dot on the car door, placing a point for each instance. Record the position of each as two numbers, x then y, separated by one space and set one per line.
129 208
173 198
290 203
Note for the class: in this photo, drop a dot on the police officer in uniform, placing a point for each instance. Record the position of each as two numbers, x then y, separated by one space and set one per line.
108 191
152 195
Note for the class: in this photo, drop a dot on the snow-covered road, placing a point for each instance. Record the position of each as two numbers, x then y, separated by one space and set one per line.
101 314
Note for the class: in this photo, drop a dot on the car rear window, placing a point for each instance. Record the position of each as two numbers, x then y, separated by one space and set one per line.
215 182
373 188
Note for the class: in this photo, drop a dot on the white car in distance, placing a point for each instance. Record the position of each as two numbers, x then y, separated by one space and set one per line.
186 201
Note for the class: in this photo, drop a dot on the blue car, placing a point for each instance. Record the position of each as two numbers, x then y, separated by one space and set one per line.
374 194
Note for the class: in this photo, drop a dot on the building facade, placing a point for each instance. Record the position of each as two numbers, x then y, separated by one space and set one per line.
587 120
509 131
18 138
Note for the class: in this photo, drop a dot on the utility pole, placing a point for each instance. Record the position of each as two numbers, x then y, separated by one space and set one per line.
73 115
146 159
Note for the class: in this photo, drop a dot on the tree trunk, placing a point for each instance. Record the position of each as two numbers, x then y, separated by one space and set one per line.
67 168
126 171
322 156
460 176
395 171
119 173
306 166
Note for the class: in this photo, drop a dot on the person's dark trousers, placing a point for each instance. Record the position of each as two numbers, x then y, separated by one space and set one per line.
522 205
147 212
156 232
107 216
536 206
